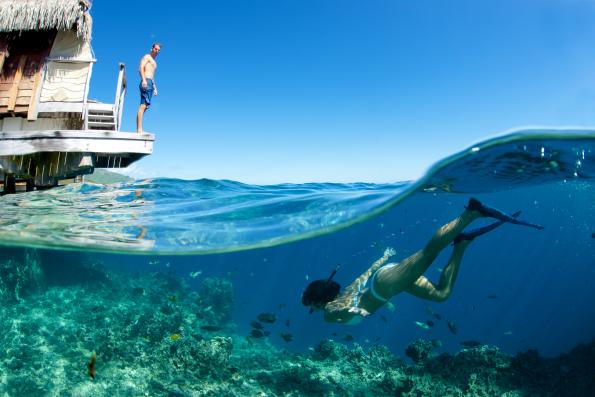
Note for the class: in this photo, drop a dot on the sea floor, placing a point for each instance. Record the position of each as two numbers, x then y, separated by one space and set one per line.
154 336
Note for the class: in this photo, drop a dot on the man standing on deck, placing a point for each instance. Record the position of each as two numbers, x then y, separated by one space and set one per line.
146 69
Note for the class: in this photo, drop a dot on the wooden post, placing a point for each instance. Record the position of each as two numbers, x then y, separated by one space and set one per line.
2 58
36 93
14 90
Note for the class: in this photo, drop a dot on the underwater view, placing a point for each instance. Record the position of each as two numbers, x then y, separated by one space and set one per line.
167 287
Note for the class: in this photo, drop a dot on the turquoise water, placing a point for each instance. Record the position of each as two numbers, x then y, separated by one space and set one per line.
177 317
169 216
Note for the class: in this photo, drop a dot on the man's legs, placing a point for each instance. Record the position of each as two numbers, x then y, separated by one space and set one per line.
139 117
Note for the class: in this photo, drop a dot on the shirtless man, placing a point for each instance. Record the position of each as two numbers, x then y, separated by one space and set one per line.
148 88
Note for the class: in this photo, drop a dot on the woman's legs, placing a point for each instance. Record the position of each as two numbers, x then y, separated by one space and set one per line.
425 289
393 280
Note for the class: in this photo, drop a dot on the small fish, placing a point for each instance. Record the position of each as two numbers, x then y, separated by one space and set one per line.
286 337
470 343
256 325
258 333
436 342
508 333
452 327
268 318
91 365
437 316
348 338
492 296
377 338
422 325
439 269
287 323
172 298
593 235
195 274
430 323
307 277
211 328
383 318
281 306
175 337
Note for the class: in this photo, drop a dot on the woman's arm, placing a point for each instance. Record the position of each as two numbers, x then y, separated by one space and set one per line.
343 307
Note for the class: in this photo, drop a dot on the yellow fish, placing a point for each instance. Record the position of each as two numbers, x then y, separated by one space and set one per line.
175 337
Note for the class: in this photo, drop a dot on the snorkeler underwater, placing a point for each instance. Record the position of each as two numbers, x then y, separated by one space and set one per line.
116 288
332 198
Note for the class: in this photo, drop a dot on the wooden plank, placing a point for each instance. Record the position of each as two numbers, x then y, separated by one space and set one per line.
22 93
12 98
27 84
23 101
4 102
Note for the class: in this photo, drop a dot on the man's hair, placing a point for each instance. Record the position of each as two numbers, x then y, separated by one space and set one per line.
154 44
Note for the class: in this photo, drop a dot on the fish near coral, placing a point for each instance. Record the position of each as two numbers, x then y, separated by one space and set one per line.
452 327
268 318
91 365
211 328
256 325
257 333
175 337
286 337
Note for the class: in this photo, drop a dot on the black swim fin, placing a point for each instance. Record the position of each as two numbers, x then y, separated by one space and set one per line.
473 233
476 205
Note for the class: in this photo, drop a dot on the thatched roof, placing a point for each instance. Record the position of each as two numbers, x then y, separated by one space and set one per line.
21 15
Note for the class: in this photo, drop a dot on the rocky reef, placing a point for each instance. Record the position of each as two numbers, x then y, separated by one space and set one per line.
154 336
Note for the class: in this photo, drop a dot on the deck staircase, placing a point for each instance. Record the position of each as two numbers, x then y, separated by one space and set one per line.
101 116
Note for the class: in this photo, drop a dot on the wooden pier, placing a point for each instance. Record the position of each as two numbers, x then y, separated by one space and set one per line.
50 131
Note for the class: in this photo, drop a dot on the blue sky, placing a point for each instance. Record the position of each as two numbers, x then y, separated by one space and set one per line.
272 91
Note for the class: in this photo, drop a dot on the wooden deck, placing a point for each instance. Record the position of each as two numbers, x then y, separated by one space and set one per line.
43 158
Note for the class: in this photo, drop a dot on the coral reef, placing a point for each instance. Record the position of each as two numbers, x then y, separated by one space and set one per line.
216 300
154 336
20 277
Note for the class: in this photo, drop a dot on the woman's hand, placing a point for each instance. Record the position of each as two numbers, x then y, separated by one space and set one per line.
359 311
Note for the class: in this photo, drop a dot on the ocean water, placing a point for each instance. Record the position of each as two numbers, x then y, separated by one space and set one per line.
83 266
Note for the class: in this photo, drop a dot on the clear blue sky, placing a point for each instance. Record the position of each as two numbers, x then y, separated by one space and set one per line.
271 91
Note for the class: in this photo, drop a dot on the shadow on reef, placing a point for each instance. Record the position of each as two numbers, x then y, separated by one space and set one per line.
153 335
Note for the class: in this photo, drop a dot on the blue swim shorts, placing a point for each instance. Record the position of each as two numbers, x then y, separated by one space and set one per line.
146 94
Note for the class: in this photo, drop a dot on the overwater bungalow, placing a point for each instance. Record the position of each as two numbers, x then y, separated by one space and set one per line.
50 131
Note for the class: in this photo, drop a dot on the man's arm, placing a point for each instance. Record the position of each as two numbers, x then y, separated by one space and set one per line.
141 70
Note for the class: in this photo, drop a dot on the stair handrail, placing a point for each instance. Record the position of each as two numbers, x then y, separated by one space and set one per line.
120 93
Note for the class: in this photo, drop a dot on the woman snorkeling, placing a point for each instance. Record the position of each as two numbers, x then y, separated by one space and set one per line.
382 281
